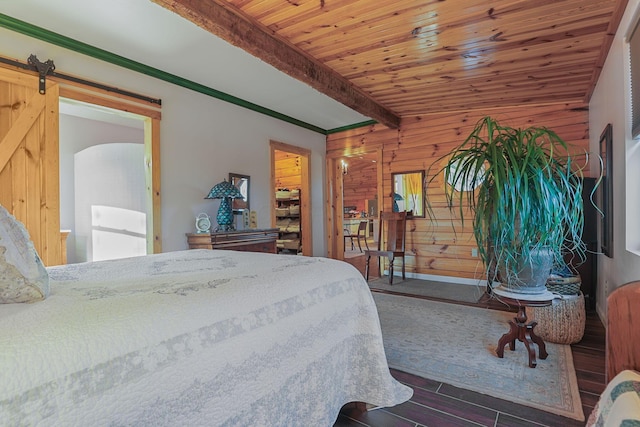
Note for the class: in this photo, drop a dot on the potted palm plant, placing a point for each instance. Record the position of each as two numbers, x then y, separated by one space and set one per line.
524 193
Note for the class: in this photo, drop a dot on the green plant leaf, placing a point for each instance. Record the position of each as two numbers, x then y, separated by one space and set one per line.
524 193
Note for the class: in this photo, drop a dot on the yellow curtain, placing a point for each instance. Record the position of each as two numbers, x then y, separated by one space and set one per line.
412 183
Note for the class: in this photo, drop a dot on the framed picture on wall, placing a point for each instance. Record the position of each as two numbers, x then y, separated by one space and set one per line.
241 182
606 191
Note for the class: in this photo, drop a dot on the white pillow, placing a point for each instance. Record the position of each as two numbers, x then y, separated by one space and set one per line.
23 278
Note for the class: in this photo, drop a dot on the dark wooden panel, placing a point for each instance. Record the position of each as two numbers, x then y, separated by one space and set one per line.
259 240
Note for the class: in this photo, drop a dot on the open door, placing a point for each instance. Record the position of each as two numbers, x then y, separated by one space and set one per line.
29 159
357 161
303 155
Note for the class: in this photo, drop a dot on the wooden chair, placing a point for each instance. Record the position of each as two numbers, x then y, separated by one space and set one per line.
623 324
362 234
346 232
391 241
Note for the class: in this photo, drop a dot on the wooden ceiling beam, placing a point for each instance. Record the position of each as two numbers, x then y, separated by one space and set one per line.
237 29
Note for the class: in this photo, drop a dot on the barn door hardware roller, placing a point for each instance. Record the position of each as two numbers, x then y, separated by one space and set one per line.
43 68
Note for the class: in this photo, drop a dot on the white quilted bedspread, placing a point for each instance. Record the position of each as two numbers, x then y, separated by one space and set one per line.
194 338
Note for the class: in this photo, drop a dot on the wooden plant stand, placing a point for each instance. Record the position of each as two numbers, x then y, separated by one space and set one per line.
522 330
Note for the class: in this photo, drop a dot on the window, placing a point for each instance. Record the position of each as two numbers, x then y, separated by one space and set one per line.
634 60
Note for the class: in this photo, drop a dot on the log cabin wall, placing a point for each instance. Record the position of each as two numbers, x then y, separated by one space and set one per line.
433 248
359 184
288 171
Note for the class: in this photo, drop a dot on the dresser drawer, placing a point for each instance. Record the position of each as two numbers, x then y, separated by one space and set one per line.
263 240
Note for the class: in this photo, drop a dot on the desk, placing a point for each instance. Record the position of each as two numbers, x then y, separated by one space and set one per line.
519 328
251 240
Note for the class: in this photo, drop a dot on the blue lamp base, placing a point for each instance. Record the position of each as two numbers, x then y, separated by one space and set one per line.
225 215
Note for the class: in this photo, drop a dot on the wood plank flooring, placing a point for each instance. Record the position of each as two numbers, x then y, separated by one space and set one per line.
439 404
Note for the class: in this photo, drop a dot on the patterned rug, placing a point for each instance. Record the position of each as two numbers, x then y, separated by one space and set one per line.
456 345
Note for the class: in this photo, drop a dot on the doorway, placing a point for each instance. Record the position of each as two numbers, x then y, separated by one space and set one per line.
33 191
359 200
291 197
354 186
106 201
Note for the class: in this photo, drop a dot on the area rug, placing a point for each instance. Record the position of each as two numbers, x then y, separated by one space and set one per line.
456 345
429 288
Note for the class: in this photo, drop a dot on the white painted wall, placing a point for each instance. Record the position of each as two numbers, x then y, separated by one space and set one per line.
202 140
610 103
110 202
76 134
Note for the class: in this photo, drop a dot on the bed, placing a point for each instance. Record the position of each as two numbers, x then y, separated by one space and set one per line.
198 337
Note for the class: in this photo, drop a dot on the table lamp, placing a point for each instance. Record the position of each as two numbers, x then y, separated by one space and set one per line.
225 191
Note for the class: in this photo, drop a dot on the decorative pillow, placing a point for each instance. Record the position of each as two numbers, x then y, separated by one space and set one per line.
23 277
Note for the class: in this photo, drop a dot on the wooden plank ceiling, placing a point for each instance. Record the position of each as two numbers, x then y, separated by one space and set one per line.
390 59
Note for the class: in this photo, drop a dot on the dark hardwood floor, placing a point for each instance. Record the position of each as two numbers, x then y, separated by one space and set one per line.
439 404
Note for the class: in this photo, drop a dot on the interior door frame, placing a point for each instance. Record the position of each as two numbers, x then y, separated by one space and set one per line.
305 190
151 118
334 197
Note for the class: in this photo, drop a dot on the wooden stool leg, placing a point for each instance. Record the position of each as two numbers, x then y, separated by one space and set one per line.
508 338
526 339
522 331
539 341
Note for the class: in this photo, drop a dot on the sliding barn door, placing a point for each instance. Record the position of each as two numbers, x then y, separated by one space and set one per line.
29 175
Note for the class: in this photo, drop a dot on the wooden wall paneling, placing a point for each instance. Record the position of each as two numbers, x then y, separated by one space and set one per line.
435 247
333 208
288 170
359 184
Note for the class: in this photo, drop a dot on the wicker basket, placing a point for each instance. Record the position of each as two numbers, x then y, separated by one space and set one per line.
564 285
562 322
292 244
283 194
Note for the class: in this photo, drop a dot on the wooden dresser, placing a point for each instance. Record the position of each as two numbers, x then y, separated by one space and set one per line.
252 240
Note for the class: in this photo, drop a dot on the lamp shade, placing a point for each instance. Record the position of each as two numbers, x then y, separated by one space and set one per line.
396 198
225 191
